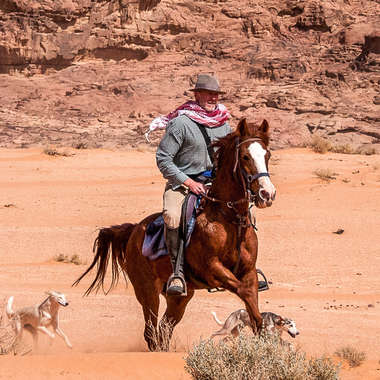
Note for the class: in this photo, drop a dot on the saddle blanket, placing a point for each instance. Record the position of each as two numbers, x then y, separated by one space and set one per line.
154 241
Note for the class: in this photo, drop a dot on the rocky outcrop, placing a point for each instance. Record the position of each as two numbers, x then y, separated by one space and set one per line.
95 73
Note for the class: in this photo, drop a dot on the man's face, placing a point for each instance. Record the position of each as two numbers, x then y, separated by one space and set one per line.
207 99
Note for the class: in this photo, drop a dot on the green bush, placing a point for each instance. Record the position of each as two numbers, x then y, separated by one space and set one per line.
263 357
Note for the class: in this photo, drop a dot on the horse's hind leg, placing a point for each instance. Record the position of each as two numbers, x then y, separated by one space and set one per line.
150 301
176 306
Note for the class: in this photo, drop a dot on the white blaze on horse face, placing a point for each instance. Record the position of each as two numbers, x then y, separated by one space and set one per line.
258 154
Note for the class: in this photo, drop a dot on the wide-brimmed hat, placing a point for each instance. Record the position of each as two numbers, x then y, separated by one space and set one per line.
207 82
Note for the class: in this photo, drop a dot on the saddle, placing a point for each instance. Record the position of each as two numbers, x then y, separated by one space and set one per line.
154 242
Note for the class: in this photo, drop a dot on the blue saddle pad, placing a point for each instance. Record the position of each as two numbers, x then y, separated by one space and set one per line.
154 241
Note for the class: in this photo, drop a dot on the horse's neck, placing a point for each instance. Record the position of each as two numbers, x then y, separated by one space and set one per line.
226 188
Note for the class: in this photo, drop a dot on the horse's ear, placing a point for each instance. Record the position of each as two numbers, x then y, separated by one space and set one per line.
264 127
242 127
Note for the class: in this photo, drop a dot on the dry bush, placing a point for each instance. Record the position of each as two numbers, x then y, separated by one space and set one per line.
325 174
54 152
75 259
345 149
161 337
80 145
61 258
367 150
354 357
320 145
255 357
7 336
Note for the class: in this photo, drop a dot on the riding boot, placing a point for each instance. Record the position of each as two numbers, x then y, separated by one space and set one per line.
176 284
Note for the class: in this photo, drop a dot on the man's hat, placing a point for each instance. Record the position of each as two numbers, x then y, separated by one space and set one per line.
207 82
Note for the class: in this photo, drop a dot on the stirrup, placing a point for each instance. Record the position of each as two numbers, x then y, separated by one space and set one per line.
175 290
263 284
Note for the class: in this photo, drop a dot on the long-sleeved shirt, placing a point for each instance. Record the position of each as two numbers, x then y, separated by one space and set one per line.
183 151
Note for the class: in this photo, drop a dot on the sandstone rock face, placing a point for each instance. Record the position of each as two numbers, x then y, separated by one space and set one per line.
95 73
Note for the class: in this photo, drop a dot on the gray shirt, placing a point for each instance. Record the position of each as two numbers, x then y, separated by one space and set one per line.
183 151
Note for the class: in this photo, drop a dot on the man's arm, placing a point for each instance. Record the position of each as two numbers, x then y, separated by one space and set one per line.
169 146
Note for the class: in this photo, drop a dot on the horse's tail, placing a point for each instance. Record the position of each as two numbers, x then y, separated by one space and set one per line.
110 243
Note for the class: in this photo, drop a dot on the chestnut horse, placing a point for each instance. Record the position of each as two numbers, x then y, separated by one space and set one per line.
222 251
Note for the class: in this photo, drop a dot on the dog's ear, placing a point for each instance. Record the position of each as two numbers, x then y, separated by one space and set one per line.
279 321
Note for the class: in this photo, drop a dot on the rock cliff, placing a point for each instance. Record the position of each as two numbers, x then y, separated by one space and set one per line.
94 73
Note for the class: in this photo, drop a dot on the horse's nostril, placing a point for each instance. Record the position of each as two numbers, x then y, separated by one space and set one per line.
264 195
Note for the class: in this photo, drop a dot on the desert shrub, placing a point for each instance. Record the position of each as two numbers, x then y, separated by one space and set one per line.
7 336
345 149
255 357
54 152
325 174
61 258
367 150
75 259
80 145
320 145
353 356
162 337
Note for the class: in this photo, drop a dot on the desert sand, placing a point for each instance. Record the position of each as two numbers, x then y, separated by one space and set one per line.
327 282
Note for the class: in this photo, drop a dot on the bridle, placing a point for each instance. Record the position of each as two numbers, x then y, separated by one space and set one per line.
241 176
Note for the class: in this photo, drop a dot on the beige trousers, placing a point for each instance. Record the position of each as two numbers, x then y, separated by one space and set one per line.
173 200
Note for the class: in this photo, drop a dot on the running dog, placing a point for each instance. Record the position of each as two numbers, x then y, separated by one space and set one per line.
240 318
39 317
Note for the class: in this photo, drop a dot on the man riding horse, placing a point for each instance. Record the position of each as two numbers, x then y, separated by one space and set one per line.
183 157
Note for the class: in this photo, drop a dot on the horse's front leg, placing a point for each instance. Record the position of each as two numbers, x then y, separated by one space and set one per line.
248 292
246 289
176 306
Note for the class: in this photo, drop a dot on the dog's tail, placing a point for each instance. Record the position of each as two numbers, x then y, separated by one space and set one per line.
9 310
110 244
216 318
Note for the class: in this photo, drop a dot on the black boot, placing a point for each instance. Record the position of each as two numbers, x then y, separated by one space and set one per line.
176 284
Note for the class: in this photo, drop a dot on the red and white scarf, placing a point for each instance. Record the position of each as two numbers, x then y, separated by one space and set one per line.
196 113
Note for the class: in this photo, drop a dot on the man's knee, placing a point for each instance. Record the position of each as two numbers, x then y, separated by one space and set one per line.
171 220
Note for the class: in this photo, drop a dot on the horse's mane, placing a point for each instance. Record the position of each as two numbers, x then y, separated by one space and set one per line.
224 146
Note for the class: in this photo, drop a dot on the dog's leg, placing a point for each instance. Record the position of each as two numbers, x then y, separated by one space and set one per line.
46 331
63 336
55 324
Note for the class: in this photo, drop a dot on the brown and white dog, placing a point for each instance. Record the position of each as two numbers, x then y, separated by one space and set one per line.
237 320
39 317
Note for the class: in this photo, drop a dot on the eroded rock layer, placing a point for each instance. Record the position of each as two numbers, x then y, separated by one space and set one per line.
94 73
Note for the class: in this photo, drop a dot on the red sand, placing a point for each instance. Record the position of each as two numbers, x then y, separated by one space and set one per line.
328 283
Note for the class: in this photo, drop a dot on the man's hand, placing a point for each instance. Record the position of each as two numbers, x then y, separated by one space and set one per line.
194 186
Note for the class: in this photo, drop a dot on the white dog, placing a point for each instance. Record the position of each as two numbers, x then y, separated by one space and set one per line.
237 320
39 317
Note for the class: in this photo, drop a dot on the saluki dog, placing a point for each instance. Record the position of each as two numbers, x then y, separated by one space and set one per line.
237 320
38 317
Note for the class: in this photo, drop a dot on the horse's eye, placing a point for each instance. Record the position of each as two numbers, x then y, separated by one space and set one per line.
245 157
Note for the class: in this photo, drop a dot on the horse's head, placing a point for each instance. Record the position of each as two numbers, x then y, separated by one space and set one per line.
252 157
